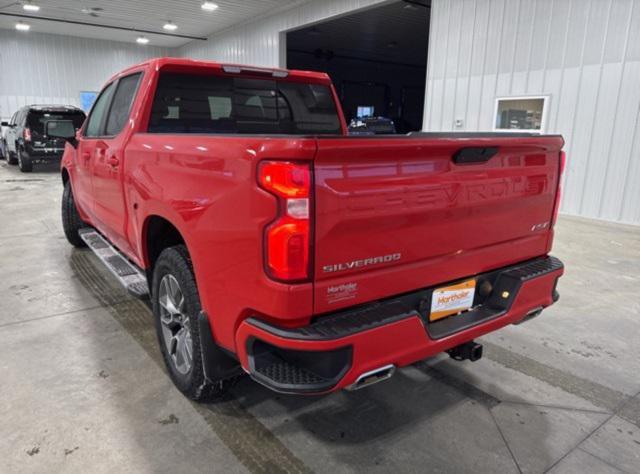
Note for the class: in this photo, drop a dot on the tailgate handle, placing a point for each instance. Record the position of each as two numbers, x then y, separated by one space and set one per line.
471 155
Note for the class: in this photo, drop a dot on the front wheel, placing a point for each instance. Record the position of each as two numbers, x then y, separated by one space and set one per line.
176 306
11 159
71 221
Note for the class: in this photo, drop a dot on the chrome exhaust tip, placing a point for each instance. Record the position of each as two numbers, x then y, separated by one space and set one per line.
373 376
534 313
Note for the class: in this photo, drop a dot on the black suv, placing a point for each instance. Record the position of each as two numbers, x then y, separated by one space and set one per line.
25 141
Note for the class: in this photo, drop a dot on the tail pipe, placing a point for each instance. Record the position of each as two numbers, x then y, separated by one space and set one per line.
468 351
373 376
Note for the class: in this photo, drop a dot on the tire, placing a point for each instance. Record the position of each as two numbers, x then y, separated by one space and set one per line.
71 222
11 158
24 162
178 330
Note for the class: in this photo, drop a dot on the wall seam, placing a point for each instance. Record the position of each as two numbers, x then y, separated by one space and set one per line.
473 33
594 118
515 49
617 116
578 88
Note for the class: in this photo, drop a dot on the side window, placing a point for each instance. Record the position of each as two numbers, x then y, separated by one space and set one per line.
96 118
121 105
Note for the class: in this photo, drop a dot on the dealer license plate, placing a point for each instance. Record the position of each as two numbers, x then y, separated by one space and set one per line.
452 299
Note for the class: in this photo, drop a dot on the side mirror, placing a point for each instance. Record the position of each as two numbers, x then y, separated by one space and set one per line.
5 124
61 129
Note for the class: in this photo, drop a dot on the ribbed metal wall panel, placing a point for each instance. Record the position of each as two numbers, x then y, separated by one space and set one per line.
41 68
257 42
583 54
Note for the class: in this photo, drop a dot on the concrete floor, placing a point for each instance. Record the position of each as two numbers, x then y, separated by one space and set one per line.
83 386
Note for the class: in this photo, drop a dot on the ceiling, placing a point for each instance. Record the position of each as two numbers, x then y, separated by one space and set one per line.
138 14
397 33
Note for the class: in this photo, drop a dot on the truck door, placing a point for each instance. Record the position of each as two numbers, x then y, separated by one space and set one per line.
10 137
108 163
88 142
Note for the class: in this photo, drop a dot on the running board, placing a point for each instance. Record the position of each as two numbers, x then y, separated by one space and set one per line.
128 274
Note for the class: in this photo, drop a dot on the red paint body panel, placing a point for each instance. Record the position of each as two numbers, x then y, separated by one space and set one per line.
206 186
371 197
406 197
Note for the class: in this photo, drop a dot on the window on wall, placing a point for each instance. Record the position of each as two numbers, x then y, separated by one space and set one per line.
521 113
87 98
365 111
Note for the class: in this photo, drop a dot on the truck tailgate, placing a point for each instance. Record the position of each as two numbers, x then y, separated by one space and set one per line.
394 214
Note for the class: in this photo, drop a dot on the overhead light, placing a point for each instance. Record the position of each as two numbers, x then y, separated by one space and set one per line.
170 26
142 40
30 7
209 6
22 26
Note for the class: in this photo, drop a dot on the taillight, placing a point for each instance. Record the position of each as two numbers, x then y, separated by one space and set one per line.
26 134
556 207
287 239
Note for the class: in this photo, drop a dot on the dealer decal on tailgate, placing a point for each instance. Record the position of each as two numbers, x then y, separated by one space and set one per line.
452 299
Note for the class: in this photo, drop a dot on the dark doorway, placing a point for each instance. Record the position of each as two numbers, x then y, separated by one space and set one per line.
377 59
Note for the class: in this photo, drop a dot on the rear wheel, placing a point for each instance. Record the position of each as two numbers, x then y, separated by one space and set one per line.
176 306
71 221
24 162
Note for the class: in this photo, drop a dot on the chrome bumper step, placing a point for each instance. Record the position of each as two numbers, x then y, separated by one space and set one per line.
128 274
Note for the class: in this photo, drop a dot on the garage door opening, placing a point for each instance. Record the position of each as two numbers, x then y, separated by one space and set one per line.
377 59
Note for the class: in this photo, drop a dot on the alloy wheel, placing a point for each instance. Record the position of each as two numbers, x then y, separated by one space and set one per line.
176 329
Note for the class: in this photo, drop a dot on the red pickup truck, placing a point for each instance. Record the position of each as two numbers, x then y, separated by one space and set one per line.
270 241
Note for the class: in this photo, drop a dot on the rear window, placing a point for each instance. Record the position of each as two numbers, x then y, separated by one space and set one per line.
191 103
37 119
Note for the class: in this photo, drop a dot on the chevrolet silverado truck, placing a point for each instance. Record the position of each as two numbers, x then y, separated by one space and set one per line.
269 241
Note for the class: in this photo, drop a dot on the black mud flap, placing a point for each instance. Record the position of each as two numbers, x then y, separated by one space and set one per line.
217 363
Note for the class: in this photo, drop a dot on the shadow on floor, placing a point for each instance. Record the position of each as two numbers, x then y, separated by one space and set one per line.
375 423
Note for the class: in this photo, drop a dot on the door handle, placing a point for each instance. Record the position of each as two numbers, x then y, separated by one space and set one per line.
469 155
86 156
113 161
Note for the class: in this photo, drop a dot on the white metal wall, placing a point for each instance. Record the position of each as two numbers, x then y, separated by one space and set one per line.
584 54
45 69
257 42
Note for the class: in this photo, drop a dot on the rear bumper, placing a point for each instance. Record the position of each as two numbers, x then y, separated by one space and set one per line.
336 349
44 154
